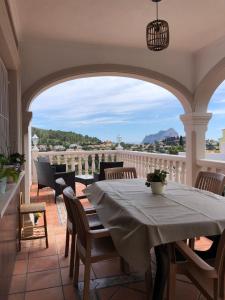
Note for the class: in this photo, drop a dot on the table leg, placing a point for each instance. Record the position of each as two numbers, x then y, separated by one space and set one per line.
162 261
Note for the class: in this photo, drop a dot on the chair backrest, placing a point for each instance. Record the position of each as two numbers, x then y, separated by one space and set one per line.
106 165
220 259
120 173
43 159
78 215
212 182
45 173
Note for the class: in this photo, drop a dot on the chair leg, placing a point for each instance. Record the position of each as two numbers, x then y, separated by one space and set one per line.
171 283
149 283
87 270
20 228
67 243
76 269
72 254
46 230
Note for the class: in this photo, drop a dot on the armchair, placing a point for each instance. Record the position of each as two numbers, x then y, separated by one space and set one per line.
47 175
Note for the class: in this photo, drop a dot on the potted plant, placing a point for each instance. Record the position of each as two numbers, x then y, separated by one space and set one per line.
5 174
36 217
157 180
17 160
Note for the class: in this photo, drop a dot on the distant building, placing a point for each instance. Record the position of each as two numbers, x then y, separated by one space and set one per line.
75 147
59 148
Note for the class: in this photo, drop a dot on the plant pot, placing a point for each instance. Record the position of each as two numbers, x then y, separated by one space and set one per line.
3 184
157 187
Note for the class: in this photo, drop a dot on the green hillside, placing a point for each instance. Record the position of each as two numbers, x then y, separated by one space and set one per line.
64 138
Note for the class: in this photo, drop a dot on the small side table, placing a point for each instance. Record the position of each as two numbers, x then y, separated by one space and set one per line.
84 179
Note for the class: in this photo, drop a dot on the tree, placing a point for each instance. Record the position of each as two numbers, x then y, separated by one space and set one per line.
181 141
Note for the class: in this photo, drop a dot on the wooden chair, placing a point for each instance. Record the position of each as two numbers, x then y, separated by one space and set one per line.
212 182
93 221
208 279
120 173
38 232
105 165
92 245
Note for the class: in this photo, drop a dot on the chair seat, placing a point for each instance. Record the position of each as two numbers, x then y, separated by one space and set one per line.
103 248
33 207
94 221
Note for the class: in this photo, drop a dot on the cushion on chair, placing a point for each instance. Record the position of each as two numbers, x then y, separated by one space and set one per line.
33 207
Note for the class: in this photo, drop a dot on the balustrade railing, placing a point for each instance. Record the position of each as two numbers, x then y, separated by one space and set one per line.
87 162
211 165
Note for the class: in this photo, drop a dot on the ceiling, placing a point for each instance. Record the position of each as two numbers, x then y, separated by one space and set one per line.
193 24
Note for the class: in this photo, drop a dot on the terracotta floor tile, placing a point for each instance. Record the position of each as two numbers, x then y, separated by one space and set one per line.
22 255
125 293
46 294
107 293
43 263
140 286
186 291
64 261
107 268
70 293
37 252
18 284
20 267
42 280
67 280
20 296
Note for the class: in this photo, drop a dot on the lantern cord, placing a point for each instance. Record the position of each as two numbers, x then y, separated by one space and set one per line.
157 10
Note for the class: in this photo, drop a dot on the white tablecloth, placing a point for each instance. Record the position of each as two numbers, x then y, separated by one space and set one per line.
139 220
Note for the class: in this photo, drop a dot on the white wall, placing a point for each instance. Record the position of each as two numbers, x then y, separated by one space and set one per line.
207 58
43 57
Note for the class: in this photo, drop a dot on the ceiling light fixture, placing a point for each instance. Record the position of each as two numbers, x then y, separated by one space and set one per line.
157 33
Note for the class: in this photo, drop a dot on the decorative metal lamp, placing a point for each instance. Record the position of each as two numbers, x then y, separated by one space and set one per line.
157 33
35 140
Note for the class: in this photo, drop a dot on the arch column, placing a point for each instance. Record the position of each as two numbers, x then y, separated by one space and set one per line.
27 116
195 126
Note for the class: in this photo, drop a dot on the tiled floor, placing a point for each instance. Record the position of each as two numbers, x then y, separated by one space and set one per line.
42 274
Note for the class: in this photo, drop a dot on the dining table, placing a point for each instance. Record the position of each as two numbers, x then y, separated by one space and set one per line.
139 220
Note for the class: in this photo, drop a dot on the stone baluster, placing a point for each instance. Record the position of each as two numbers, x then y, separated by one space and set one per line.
177 171
171 170
183 173
93 164
99 160
86 164
80 165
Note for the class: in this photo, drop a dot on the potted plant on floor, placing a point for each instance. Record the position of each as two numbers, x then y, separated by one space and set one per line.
157 180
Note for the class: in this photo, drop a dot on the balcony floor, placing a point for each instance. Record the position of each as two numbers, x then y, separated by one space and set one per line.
42 274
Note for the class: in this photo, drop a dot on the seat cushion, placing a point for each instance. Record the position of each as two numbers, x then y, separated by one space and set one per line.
33 207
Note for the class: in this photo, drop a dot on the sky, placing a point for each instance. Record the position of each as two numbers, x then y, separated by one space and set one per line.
109 106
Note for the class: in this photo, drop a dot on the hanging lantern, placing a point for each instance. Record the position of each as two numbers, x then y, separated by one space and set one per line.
157 33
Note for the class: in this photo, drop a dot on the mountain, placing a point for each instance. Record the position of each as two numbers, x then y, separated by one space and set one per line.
161 135
65 138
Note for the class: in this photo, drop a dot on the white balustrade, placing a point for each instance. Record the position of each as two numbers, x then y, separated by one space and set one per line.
87 162
211 165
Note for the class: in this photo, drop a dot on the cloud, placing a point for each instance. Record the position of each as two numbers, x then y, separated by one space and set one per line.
218 111
85 98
